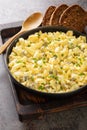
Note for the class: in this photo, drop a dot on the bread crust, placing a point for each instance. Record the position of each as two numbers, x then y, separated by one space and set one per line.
54 20
47 15
74 17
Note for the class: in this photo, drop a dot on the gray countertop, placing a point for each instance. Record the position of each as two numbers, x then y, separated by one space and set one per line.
75 119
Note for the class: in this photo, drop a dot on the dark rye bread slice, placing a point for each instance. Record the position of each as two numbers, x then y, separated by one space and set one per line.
54 20
85 18
47 15
74 17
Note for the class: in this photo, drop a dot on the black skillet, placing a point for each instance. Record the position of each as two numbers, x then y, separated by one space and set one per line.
35 92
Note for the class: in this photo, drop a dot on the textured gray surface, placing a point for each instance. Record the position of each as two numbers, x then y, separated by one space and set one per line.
75 119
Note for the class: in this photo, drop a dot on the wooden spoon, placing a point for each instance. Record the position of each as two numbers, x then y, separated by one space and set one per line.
31 22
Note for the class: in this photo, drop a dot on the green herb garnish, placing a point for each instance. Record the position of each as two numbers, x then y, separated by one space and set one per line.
78 46
28 45
81 74
53 76
55 56
35 60
41 87
32 78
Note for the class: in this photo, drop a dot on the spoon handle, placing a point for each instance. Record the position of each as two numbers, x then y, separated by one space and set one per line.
7 43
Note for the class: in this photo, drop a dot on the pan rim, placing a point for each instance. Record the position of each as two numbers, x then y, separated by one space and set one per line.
43 29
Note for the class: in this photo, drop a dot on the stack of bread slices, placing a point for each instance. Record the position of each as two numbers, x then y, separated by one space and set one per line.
73 17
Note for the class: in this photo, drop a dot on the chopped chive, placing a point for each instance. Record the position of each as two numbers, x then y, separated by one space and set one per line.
18 61
44 60
71 46
62 54
77 64
38 34
35 60
81 74
41 87
32 78
55 56
78 46
61 32
28 45
43 83
53 76
35 66
61 67
58 39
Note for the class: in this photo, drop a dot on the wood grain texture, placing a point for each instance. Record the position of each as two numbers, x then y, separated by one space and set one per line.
31 106
75 119
74 18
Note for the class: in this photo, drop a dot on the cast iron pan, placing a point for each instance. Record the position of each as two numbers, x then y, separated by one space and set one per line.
35 92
